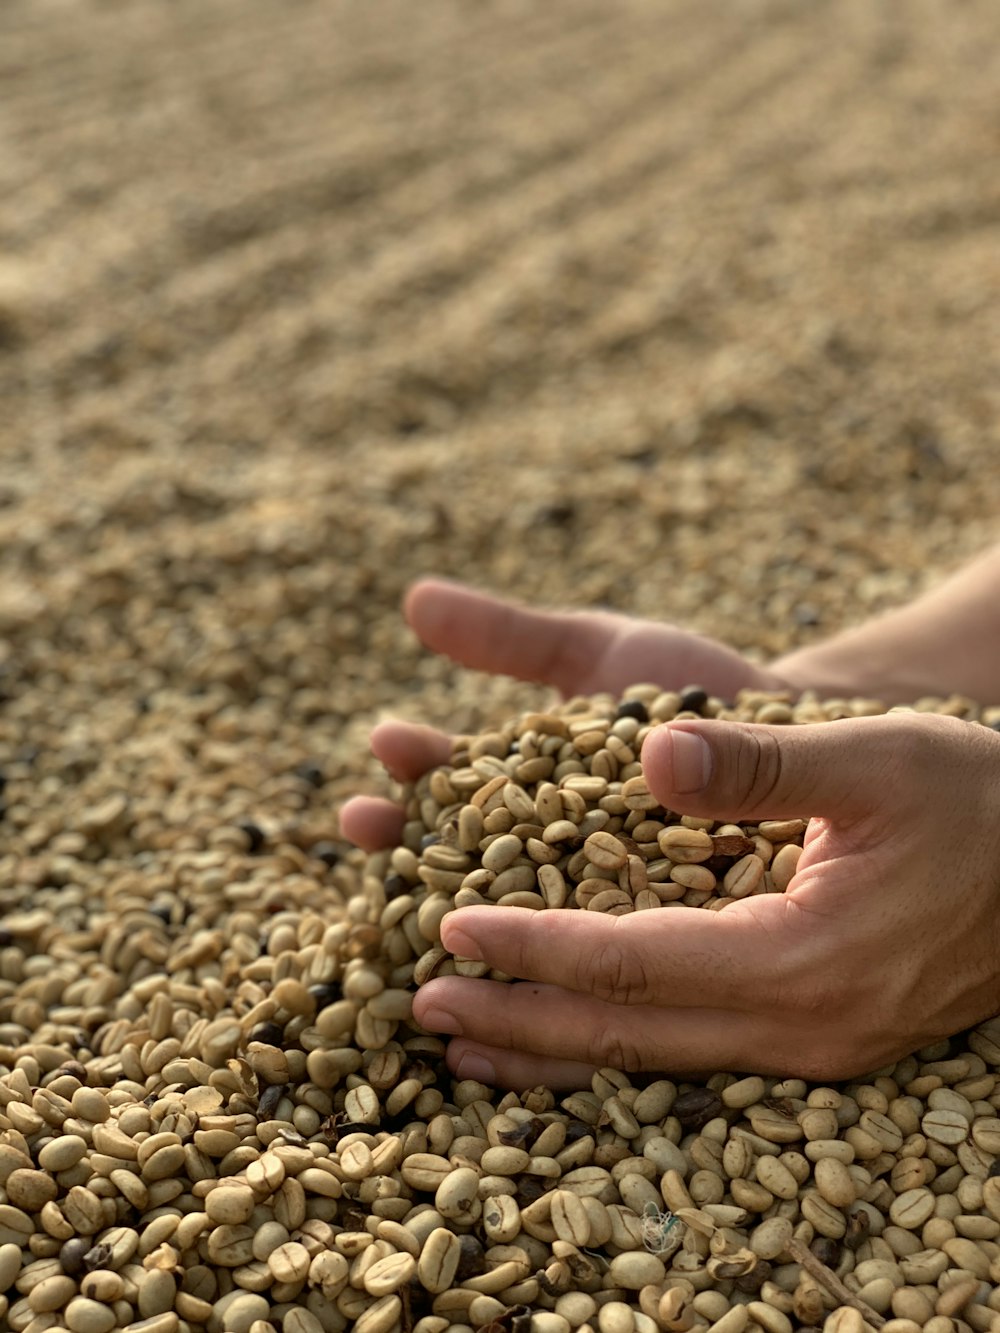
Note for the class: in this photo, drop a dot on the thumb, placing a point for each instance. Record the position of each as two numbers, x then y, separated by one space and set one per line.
738 770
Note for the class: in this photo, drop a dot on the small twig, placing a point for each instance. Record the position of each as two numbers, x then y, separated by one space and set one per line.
804 1256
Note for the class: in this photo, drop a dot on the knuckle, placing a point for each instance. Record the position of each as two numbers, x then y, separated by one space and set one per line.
619 977
609 1048
758 770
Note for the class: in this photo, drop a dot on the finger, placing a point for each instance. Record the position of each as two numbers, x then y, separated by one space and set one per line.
737 770
372 823
554 1024
491 634
673 956
408 750
515 1069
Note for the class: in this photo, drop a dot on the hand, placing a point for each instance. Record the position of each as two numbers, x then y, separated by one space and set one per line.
887 938
576 652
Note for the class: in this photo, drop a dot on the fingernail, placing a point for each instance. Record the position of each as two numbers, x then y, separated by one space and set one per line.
454 938
690 760
440 1020
471 1065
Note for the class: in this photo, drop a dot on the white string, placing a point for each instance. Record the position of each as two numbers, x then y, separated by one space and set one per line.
661 1232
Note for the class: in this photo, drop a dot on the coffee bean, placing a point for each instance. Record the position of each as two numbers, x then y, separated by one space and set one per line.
697 1107
253 833
633 708
693 698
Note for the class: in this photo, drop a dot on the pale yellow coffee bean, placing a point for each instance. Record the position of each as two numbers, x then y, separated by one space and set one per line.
238 1310
548 1321
770 1238
381 1316
781 830
834 1148
908 1303
425 1171
986 1134
773 1125
834 1182
62 1153
552 885
947 1099
697 877
504 1161
635 1270
51 1293
457 1197
576 1307
438 1262
30 1189
615 1317
230 1204
653 1103
845 1319
10 1265
390 1274
501 1218
684 845
356 1161
825 1218
947 1127
295 1320
954 1299
329 1272
885 1131
968 1255
502 852
770 1319
711 1305
569 1218
612 902
620 1118
734 1320
743 877
91 1104
744 1092
86 1316
560 831
777 1178
783 866
605 851
289 1262
912 1208
102 1285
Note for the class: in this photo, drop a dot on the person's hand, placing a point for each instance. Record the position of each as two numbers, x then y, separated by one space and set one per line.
887 937
576 652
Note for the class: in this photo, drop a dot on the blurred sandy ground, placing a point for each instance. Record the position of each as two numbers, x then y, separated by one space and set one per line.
688 308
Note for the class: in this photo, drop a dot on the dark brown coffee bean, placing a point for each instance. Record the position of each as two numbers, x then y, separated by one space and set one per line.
696 1108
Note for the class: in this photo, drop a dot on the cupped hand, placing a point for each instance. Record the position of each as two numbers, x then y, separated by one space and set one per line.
887 937
583 652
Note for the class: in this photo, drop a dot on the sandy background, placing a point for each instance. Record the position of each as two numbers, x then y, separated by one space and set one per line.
687 308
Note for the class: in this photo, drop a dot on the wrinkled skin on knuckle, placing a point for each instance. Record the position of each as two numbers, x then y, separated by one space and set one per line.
617 975
757 771
611 1048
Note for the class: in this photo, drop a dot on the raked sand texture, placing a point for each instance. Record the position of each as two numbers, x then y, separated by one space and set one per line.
688 308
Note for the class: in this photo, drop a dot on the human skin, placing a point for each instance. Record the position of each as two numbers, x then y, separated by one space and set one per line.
888 936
